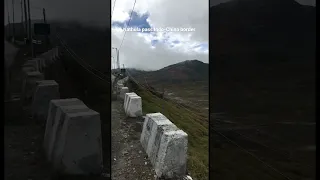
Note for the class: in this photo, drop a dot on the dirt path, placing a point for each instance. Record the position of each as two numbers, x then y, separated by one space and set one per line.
129 160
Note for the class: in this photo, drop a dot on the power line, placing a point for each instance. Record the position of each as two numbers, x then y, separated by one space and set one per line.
114 4
78 57
252 154
74 56
197 115
128 24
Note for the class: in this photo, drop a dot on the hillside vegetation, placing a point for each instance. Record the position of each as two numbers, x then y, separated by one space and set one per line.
194 124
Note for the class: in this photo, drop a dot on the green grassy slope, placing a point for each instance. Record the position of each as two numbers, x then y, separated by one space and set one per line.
189 121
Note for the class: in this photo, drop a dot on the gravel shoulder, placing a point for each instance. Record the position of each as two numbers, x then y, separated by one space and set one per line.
129 160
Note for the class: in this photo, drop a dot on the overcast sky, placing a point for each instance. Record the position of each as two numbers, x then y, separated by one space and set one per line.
87 11
304 2
151 50
155 50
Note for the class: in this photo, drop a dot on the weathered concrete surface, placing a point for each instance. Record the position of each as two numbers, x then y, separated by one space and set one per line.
134 106
32 63
53 121
78 149
125 102
48 57
30 82
165 145
46 91
172 155
26 69
123 91
148 136
119 86
41 63
124 80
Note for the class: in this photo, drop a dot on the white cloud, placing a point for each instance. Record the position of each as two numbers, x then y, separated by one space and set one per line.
172 47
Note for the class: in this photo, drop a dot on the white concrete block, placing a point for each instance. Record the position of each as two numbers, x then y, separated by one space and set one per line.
43 61
171 161
47 58
79 148
28 69
126 99
123 91
134 106
32 63
46 91
119 86
40 62
57 127
147 127
47 82
53 117
156 124
165 145
29 83
187 177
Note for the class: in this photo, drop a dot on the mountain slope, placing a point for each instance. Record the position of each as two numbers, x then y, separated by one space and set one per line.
252 30
186 71
262 46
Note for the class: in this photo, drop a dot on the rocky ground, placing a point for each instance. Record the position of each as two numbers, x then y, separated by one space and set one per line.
129 160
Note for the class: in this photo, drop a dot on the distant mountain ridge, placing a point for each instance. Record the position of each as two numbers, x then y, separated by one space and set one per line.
189 70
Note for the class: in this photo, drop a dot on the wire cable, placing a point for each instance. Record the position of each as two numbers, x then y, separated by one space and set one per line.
114 4
252 154
78 57
75 58
127 25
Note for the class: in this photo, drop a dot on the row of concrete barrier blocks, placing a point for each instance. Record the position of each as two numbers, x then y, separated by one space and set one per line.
44 60
72 140
132 102
132 105
165 144
32 72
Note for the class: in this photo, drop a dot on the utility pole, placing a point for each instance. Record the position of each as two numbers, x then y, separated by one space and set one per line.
21 12
25 19
45 21
30 29
13 20
9 24
22 27
118 62
113 63
44 15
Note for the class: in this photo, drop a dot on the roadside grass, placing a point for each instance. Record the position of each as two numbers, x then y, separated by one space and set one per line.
190 121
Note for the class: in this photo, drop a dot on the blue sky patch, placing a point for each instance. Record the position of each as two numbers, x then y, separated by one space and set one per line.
201 47
154 42
137 21
176 42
